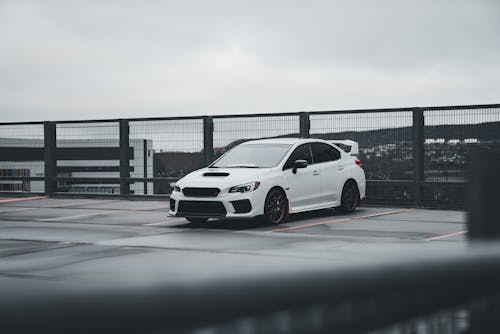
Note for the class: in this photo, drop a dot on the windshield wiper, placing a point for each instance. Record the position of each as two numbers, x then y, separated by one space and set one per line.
241 166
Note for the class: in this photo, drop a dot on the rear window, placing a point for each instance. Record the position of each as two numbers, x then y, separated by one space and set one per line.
324 152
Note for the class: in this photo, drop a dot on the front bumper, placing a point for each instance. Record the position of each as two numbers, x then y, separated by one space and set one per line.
225 205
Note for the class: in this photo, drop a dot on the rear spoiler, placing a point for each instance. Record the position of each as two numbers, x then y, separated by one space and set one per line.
351 147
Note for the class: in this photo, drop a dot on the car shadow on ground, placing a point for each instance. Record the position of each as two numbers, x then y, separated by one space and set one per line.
249 224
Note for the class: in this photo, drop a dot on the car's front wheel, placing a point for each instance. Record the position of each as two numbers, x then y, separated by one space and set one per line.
275 207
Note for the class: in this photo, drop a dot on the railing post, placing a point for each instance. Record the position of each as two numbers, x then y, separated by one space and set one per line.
208 139
49 154
305 124
418 155
145 165
483 192
124 158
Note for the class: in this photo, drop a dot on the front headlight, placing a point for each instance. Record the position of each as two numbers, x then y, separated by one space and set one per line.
244 188
177 188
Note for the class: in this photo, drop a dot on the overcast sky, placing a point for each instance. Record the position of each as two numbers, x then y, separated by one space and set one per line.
113 59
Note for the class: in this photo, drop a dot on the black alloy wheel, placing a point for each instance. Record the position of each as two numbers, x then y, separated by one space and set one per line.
350 197
276 206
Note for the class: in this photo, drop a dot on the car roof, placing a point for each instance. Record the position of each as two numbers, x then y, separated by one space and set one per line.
290 141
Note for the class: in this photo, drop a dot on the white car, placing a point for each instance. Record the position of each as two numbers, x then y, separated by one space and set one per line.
272 178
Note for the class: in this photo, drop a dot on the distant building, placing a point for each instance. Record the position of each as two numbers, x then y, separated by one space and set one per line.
141 165
174 165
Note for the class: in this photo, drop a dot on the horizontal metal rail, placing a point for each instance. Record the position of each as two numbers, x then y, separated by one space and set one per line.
208 136
342 111
335 299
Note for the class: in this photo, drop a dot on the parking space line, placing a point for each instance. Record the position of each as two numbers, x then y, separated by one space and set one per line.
443 236
107 213
56 206
151 208
75 204
70 217
22 199
18 209
310 225
383 213
342 219
164 223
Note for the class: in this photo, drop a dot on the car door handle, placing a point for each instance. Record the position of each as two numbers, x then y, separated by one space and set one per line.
315 172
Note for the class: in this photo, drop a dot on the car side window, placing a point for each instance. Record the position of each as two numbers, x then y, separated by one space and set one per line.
303 152
324 152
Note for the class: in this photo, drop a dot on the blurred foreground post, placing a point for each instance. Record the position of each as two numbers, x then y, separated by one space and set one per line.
484 194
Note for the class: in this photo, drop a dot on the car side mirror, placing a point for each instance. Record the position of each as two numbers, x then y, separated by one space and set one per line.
299 164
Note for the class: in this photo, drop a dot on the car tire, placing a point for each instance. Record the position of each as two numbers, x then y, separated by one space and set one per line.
194 220
350 197
275 207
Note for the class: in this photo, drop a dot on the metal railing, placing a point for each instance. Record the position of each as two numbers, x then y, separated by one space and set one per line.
460 293
449 291
411 156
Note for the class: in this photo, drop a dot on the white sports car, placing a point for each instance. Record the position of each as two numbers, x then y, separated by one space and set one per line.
272 178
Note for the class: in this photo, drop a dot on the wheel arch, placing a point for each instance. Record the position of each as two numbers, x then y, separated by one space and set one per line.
350 179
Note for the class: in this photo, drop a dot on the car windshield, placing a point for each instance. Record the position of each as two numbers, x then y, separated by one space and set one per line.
253 156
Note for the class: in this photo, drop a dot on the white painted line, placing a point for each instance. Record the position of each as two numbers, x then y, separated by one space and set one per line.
69 217
443 236
164 223
15 210
74 204
341 220
22 199
151 208
56 206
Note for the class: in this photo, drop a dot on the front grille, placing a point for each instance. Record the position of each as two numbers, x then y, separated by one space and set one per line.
201 192
172 204
242 206
211 208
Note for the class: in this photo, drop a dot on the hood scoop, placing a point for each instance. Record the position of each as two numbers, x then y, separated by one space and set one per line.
219 174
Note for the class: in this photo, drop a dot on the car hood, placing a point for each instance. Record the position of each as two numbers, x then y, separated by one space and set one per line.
222 177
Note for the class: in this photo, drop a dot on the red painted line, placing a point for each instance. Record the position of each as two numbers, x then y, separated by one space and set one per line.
438 237
383 213
22 199
342 219
309 225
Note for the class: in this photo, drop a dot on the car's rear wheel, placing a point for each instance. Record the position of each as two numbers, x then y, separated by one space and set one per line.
350 197
194 220
275 207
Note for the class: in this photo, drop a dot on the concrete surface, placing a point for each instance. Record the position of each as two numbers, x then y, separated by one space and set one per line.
84 243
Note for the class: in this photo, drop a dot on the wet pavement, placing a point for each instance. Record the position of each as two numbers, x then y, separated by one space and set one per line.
83 243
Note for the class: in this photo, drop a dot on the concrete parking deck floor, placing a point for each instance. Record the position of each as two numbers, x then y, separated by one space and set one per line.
84 242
